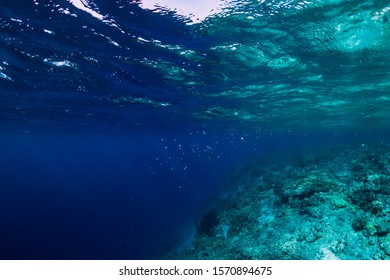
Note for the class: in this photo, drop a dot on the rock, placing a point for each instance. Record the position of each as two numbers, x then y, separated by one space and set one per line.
359 222
386 248
383 227
328 254
339 202
371 229
315 182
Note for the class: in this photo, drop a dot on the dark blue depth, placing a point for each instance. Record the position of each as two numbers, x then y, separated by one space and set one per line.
97 196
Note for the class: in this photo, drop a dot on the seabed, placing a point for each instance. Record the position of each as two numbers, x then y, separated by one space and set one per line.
329 204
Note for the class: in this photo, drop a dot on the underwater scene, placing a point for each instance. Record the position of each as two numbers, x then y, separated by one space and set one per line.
210 129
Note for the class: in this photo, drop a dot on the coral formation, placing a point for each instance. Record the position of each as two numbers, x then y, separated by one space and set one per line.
331 204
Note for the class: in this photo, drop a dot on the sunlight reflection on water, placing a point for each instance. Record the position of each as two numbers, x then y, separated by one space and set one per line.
197 11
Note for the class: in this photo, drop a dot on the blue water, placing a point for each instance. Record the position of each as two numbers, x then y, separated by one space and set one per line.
120 125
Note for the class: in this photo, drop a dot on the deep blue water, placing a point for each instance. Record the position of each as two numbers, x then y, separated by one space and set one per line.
103 196
119 125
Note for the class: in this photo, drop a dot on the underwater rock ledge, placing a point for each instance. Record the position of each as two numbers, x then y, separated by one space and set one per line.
330 204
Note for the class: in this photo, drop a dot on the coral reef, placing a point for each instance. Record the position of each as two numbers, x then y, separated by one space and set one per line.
330 204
